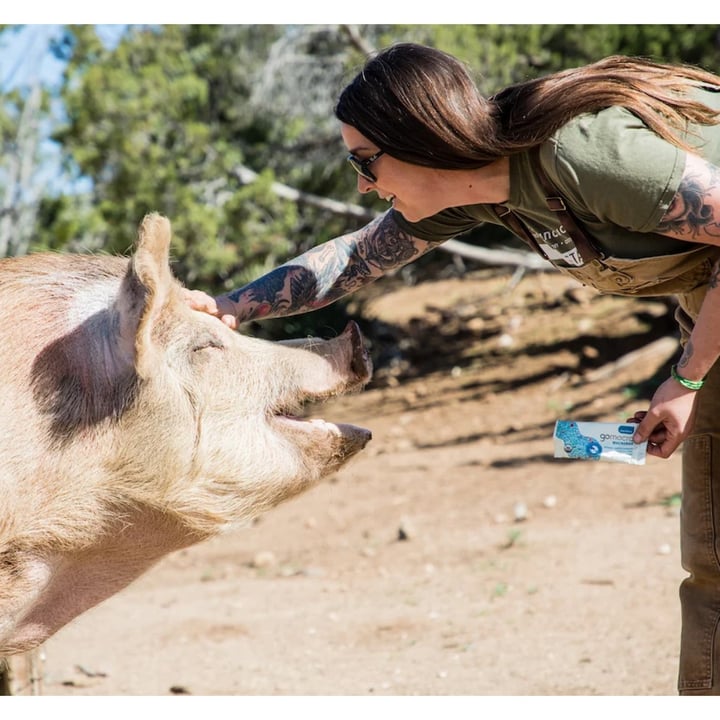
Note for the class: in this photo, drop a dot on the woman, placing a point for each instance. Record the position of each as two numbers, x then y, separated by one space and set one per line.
611 172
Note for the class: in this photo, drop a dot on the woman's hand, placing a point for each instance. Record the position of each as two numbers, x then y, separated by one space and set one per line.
668 421
221 307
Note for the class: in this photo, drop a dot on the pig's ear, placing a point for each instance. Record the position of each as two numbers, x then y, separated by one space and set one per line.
145 291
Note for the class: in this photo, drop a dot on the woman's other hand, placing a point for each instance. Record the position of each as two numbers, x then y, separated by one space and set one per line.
668 421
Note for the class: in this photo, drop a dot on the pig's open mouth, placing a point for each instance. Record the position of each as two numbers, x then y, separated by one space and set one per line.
353 434
311 424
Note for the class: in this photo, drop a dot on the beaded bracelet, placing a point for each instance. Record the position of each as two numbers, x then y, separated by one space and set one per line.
689 384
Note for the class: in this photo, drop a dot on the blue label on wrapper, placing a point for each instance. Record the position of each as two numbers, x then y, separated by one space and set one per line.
611 442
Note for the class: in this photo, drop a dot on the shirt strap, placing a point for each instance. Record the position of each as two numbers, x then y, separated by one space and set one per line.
508 217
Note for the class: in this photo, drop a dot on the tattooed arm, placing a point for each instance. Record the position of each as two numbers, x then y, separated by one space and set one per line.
694 216
322 275
694 213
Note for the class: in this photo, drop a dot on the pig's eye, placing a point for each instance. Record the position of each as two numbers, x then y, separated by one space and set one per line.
206 343
205 346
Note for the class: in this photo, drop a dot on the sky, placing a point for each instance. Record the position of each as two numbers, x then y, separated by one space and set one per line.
24 56
25 59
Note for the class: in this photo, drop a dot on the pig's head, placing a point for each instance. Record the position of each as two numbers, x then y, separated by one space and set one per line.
220 408
188 415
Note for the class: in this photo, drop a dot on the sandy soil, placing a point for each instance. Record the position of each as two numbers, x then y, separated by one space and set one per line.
454 556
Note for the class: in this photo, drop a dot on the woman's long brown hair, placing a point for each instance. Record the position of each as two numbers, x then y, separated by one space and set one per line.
421 105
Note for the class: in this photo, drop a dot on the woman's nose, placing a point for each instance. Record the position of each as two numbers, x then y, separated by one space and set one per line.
364 185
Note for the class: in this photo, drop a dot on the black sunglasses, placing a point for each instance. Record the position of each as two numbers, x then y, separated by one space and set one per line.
362 167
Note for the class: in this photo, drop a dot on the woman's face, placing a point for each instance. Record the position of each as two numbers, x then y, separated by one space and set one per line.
413 190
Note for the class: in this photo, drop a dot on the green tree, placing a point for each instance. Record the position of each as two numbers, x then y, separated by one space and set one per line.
161 123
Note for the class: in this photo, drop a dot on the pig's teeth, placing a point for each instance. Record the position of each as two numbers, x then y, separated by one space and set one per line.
317 422
323 423
354 433
310 421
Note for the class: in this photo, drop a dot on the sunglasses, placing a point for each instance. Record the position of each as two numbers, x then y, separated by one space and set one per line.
362 167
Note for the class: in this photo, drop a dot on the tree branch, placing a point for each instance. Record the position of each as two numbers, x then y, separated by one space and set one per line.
357 40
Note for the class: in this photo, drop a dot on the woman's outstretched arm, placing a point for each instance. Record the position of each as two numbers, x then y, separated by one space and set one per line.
319 276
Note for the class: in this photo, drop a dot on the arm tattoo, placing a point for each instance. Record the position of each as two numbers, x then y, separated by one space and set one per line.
359 258
714 276
691 211
687 355
329 271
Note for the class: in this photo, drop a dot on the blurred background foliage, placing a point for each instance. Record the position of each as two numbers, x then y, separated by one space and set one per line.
200 122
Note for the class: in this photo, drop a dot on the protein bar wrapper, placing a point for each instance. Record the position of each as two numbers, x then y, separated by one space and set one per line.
611 442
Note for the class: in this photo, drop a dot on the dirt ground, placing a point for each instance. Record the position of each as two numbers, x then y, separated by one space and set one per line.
454 556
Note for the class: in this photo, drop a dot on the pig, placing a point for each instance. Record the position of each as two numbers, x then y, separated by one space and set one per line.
134 426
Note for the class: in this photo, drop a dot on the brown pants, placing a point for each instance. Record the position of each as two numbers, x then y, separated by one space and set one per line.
699 671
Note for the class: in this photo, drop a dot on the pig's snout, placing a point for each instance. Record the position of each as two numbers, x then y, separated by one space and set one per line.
346 367
348 356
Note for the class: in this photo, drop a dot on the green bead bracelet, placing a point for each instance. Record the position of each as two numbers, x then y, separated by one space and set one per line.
689 384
